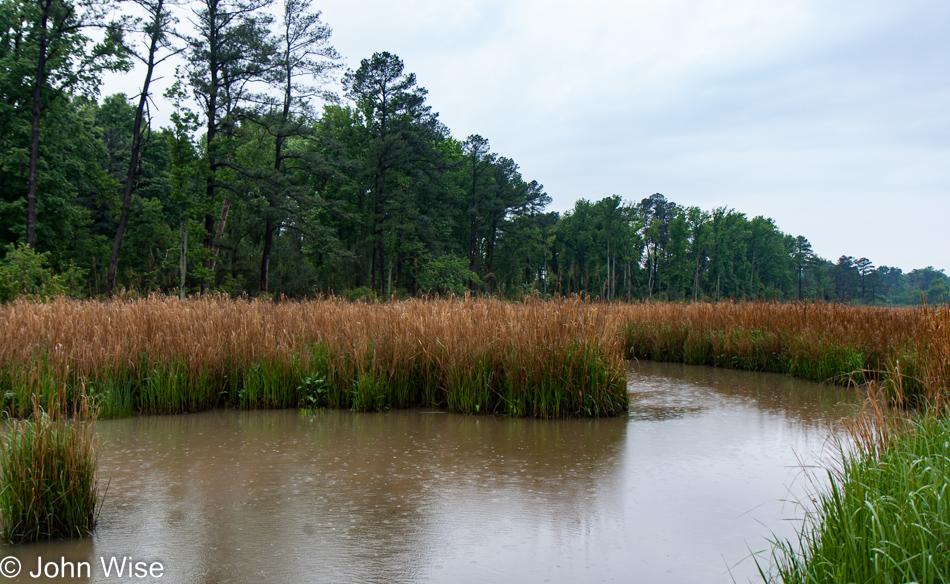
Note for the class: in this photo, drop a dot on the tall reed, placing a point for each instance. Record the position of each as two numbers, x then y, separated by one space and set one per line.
558 357
821 342
162 355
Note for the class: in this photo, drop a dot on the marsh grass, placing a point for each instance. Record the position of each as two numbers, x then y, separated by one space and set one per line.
544 358
473 385
48 484
161 355
271 383
34 386
111 396
885 517
822 342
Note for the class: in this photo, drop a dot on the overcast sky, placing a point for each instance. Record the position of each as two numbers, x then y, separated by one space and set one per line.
831 117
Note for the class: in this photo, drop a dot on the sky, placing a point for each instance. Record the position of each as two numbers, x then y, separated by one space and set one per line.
832 118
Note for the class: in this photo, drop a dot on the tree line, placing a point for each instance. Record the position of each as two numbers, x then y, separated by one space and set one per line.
267 182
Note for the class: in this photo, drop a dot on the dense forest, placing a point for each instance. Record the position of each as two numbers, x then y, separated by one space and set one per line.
281 173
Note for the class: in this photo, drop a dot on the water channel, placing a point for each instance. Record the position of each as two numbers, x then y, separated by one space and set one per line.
700 474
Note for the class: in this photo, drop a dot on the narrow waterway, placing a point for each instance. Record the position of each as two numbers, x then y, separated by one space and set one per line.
700 474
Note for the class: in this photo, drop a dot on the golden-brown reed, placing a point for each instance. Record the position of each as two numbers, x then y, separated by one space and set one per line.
917 380
371 356
164 355
932 371
823 342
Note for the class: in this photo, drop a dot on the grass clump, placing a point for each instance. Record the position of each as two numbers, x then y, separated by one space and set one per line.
886 517
48 482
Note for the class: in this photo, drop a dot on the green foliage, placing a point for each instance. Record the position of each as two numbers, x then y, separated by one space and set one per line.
446 275
369 393
471 388
26 273
313 390
29 388
361 293
591 239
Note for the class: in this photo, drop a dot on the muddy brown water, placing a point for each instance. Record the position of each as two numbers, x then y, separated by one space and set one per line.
701 474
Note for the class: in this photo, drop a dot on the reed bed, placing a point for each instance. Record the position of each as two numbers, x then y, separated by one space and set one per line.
554 358
821 342
927 378
161 355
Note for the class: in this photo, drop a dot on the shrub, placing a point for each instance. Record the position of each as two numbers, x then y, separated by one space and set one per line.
24 272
